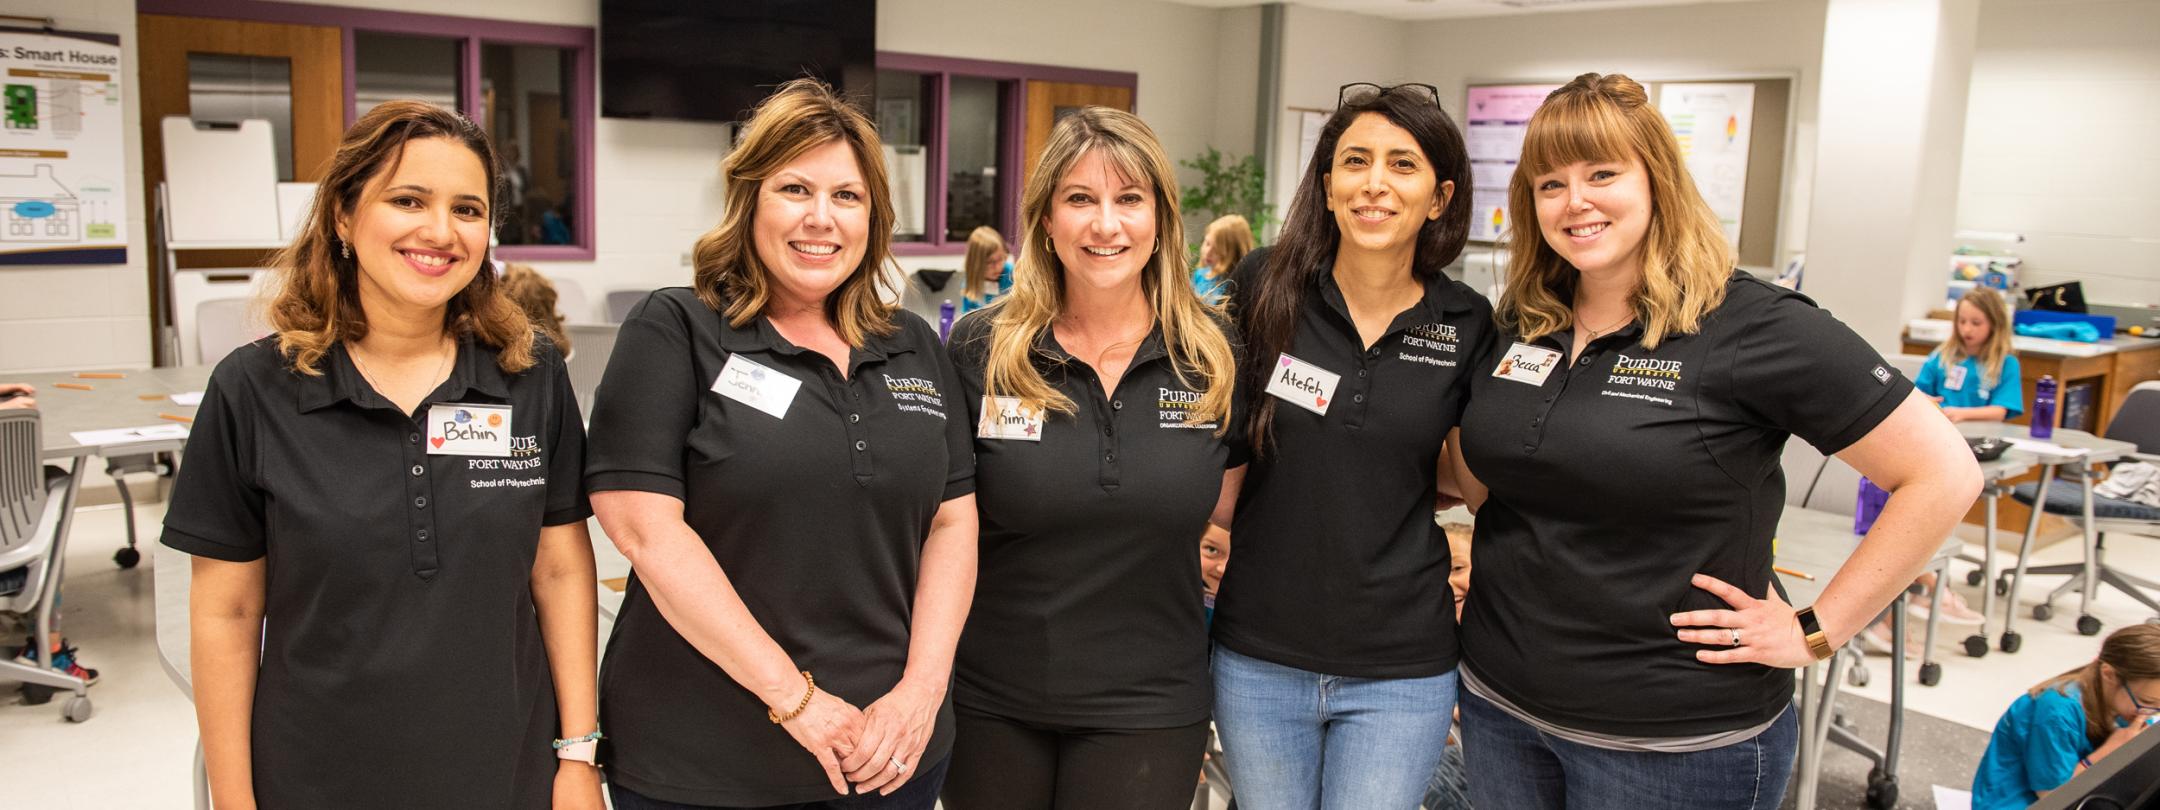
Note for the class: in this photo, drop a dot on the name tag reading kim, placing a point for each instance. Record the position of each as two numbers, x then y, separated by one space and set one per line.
1006 418
468 430
746 381
1527 364
1302 384
1954 378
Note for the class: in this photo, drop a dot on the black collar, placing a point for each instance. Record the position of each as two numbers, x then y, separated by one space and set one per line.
1151 347
1439 301
759 336
476 369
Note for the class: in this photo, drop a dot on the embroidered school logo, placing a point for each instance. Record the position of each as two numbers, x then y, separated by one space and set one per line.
1433 344
521 446
1645 372
915 394
1174 407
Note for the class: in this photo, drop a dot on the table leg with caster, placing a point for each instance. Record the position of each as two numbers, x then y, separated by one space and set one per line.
2010 639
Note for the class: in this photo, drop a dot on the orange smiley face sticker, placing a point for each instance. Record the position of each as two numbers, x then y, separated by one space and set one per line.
494 420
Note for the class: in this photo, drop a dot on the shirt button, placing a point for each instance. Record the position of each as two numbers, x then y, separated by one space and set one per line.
1108 457
412 438
1108 431
420 502
1117 405
860 446
417 469
1357 397
1361 372
1584 361
423 535
853 418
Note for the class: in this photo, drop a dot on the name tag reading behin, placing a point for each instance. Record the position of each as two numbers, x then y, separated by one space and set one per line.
1007 418
1527 364
456 429
1302 384
746 381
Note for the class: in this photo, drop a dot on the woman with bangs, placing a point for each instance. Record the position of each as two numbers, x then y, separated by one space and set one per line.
1624 644
1099 390
1334 629
778 453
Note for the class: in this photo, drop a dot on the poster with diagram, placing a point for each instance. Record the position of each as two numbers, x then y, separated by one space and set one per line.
1494 123
63 165
1713 123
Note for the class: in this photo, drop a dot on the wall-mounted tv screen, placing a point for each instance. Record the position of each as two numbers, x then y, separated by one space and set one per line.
712 60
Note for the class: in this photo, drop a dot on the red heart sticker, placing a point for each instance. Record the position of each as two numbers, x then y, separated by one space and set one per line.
1320 401
437 441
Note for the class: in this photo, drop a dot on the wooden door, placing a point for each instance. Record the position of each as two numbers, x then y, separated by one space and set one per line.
1047 100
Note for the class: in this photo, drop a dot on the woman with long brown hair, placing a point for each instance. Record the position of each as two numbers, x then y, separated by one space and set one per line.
1622 643
392 602
778 453
1099 390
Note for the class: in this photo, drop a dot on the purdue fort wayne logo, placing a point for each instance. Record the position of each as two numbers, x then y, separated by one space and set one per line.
1645 372
1174 409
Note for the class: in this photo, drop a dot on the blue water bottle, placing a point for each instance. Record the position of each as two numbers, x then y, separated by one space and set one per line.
944 320
2043 415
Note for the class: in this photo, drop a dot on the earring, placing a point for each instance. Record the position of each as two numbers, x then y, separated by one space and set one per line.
344 249
1158 247
1048 246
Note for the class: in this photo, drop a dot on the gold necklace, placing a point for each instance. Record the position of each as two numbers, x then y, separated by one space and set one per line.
1594 333
353 349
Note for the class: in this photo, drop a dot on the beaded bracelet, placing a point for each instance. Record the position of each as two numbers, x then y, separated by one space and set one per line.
595 736
799 707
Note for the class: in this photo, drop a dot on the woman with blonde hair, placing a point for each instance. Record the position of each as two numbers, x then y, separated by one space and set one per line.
1225 243
1974 376
1099 391
986 273
1622 643
392 600
778 452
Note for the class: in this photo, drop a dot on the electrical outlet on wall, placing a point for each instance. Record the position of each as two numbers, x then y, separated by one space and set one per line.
686 258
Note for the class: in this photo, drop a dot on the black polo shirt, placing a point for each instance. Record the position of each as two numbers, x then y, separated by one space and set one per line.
1338 567
1088 598
818 516
1623 475
402 659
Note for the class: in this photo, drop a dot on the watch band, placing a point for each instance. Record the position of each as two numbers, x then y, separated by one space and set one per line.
1818 643
586 751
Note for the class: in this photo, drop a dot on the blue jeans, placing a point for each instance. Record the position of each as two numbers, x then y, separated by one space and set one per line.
1298 740
1513 765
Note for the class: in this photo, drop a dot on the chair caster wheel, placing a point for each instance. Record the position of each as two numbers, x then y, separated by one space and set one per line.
1930 674
1974 577
77 709
2011 642
36 695
1857 676
2002 587
2088 626
1976 646
2043 612
126 558
1881 791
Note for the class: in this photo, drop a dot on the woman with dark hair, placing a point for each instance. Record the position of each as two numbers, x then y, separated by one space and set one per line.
778 451
1334 631
392 601
1622 644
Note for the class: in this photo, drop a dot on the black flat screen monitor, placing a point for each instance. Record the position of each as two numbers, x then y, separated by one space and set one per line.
712 60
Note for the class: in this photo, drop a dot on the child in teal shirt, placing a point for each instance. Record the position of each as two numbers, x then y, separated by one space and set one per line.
2067 723
1974 376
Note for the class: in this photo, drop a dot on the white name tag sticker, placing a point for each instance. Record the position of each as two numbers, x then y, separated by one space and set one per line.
1302 384
750 383
1527 364
1006 418
468 430
1954 377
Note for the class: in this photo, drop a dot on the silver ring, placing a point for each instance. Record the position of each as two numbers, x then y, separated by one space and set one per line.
898 765
1736 636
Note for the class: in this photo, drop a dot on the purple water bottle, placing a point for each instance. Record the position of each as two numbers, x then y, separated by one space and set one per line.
2043 414
1868 506
944 320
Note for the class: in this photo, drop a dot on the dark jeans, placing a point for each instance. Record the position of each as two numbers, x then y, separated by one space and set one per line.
1005 764
1513 765
920 793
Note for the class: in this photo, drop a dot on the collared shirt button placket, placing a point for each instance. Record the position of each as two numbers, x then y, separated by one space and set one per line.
423 523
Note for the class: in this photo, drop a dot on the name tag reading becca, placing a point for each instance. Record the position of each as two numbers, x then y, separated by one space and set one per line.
468 430
1303 384
1006 418
749 383
1527 364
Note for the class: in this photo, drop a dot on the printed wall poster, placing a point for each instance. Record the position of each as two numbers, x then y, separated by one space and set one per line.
63 165
1493 125
1713 123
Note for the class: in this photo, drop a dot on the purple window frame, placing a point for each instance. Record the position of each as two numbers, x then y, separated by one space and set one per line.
1012 78
470 33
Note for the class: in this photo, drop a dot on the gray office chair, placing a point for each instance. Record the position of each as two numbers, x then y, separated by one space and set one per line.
590 346
28 531
2138 422
620 302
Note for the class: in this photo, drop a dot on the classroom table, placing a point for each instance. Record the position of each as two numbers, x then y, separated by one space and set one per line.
69 403
2096 450
1816 544
1995 477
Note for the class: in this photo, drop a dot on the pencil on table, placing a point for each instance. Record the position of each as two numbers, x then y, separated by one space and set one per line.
177 418
73 386
99 375
1791 573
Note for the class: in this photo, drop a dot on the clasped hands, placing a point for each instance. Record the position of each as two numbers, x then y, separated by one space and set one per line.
874 749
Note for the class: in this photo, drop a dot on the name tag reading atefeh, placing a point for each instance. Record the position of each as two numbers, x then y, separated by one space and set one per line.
1302 384
1954 378
1527 364
746 381
1006 418
468 430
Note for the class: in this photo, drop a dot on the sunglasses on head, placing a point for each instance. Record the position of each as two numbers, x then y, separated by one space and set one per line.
1365 91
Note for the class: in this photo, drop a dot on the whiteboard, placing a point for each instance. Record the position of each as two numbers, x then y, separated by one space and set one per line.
221 183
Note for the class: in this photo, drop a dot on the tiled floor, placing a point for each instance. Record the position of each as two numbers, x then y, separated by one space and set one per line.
135 754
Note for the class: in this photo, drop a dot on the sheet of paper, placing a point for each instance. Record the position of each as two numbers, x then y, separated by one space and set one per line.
1952 798
191 399
146 433
2038 447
